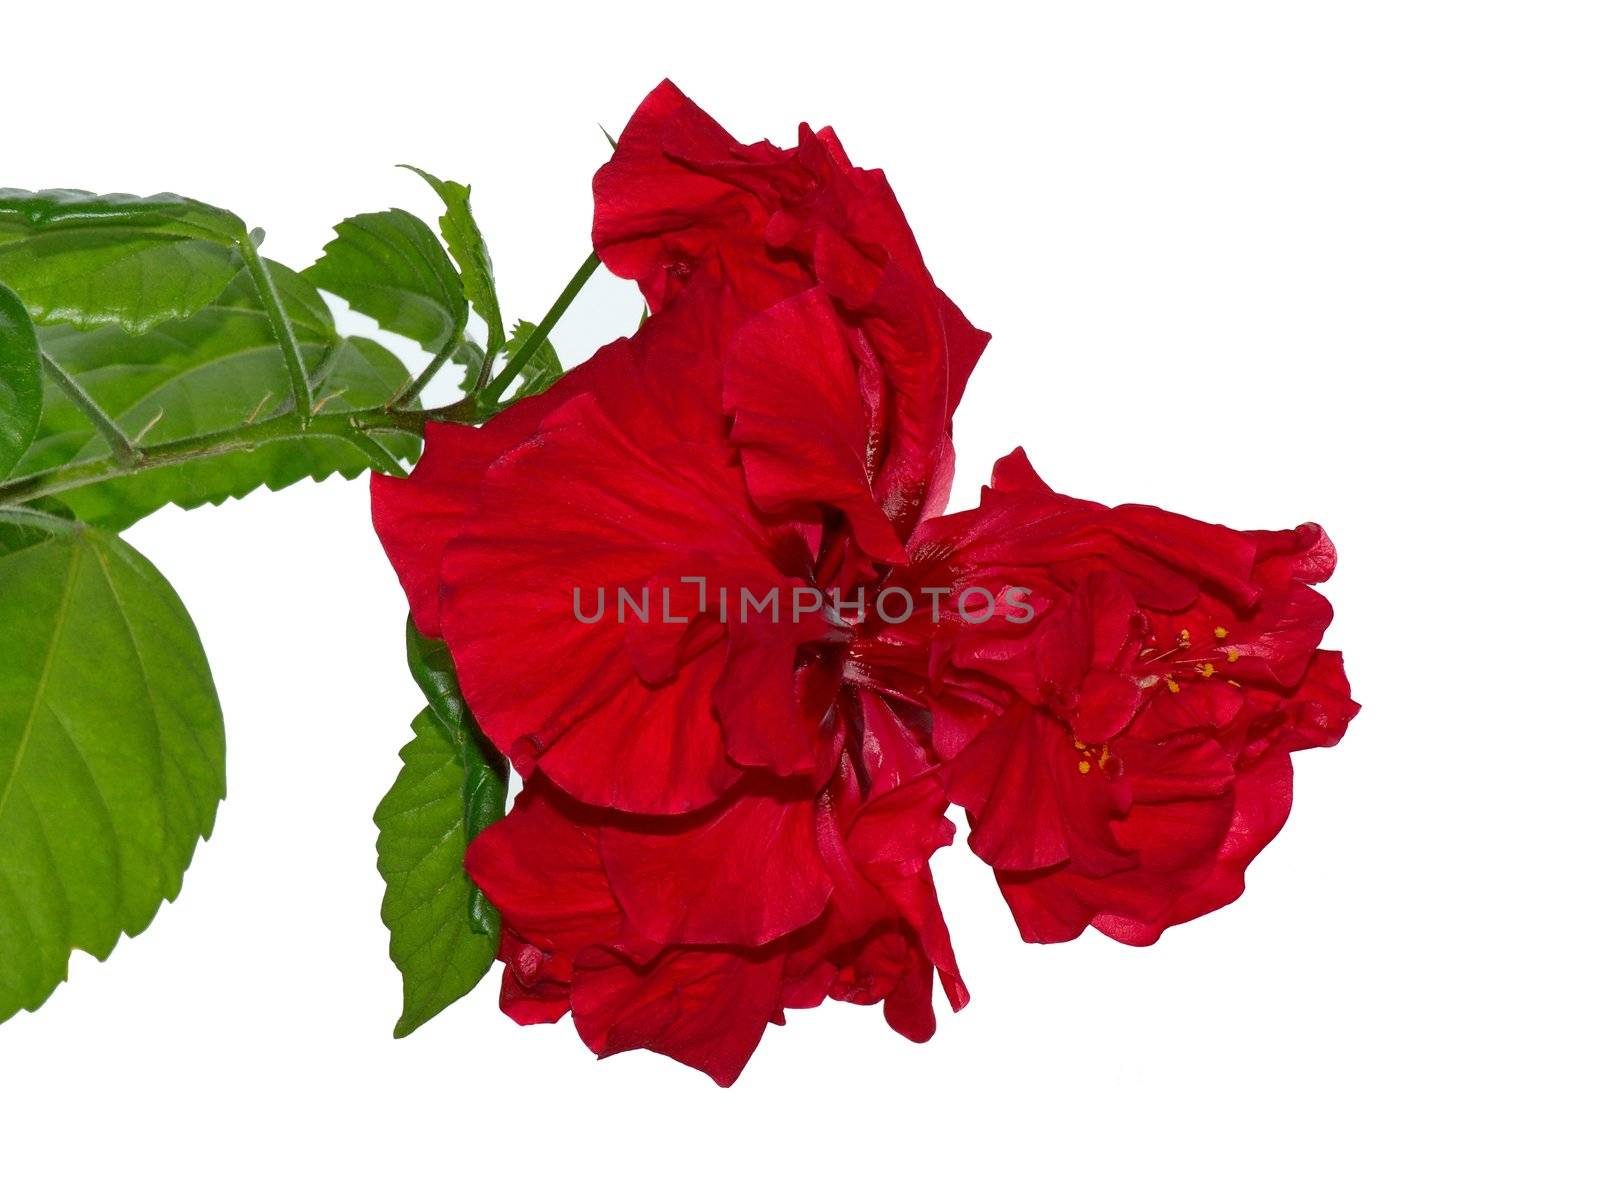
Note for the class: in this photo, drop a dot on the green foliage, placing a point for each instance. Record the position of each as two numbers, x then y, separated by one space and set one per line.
111 749
215 370
131 261
149 355
21 380
452 785
390 266
465 239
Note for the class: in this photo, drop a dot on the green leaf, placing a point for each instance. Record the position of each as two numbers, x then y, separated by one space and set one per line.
212 371
21 380
543 369
469 355
452 785
391 267
111 751
484 792
421 843
132 261
465 239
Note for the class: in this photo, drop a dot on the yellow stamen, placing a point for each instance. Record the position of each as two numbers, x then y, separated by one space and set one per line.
1233 656
1207 670
1220 632
1172 686
1083 768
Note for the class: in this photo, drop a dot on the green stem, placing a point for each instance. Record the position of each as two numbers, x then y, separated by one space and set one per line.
122 449
491 351
35 519
278 320
487 399
351 427
408 395
379 458
207 445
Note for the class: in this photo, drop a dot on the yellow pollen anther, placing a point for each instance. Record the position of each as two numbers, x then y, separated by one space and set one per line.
1220 632
1233 656
1077 745
1183 635
1083 768
1207 671
1105 756
1172 686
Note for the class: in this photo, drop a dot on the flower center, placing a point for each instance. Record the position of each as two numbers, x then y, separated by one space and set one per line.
1184 661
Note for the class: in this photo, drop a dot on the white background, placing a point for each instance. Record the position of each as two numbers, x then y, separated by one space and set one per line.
1259 263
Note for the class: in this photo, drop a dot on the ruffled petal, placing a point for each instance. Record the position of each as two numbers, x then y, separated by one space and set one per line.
417 517
540 868
1192 860
765 723
639 749
743 874
706 1008
795 393
1030 802
569 532
678 194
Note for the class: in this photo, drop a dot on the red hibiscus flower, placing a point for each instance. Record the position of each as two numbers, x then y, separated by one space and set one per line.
694 592
723 819
1124 755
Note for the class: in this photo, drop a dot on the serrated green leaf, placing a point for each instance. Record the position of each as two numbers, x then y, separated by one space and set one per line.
465 239
443 933
214 370
421 843
543 369
487 772
111 752
391 267
131 261
21 380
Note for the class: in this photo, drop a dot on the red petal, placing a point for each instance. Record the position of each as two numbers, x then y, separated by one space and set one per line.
1015 473
530 994
416 517
1193 856
1320 709
680 193
744 874
540 868
1301 555
772 711
607 499
705 1008
893 751
795 393
1029 804
909 1008
640 749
